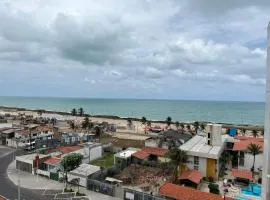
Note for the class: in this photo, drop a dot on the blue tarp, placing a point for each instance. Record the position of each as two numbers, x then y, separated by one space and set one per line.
233 132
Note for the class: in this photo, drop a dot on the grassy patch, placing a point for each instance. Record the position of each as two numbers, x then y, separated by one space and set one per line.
106 161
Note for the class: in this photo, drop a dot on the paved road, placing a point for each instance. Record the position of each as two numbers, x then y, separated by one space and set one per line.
7 188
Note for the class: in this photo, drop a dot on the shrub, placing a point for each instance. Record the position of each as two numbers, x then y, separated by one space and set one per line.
214 188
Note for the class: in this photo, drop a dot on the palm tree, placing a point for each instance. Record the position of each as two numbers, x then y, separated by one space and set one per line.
177 124
72 125
143 120
148 123
169 121
254 149
202 127
80 111
177 157
196 126
98 132
255 133
129 123
73 112
224 159
85 123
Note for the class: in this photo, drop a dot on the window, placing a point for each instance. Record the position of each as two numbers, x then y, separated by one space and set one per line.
196 162
209 135
242 159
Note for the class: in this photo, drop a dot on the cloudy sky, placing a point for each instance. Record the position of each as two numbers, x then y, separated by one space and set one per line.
165 49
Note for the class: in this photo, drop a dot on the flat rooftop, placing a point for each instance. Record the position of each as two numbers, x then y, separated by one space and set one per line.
32 156
85 170
197 146
126 153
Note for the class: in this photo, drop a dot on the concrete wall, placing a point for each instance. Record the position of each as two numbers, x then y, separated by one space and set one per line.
151 143
95 153
248 162
202 164
82 181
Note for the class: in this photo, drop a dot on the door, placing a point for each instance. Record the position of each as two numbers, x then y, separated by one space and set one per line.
211 168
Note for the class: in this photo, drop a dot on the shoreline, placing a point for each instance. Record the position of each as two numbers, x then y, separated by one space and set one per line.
113 117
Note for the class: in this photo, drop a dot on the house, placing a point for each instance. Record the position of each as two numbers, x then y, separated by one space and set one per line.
244 159
167 139
50 167
177 192
124 158
191 178
70 139
95 150
30 163
151 154
81 174
7 136
204 151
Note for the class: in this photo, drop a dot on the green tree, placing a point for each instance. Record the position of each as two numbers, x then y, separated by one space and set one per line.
196 126
86 123
254 149
73 112
214 188
143 120
129 123
80 112
72 125
255 133
98 132
71 162
224 159
169 121
202 127
177 157
177 124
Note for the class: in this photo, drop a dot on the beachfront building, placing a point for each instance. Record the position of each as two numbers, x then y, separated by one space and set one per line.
204 151
244 158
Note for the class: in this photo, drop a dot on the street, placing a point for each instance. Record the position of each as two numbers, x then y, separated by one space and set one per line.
7 188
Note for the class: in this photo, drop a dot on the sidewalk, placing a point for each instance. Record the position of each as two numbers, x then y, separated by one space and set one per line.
30 181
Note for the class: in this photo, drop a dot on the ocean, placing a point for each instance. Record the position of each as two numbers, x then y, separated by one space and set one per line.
179 110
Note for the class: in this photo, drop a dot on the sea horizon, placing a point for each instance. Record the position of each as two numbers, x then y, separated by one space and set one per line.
231 112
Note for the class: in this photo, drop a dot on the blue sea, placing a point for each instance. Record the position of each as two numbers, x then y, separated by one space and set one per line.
179 110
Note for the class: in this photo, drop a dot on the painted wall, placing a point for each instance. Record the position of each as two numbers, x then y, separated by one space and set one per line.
95 153
248 162
202 164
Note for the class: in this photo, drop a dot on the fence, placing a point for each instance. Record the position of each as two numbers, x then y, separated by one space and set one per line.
130 194
101 187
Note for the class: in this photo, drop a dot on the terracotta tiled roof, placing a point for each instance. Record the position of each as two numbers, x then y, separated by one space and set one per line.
244 142
44 128
185 193
240 173
145 152
2 198
194 176
53 161
68 149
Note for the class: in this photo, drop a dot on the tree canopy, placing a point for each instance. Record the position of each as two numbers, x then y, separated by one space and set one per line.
71 161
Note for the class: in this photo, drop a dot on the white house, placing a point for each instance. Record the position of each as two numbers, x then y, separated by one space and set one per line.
245 160
204 151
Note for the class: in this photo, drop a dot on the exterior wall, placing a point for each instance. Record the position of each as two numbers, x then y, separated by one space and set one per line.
202 164
248 162
82 179
95 153
151 143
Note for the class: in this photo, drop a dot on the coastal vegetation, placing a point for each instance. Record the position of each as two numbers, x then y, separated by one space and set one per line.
169 121
178 158
79 112
254 149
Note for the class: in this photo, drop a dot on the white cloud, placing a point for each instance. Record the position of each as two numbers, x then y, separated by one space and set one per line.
135 44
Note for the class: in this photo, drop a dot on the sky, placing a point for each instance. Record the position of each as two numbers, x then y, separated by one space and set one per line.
149 49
